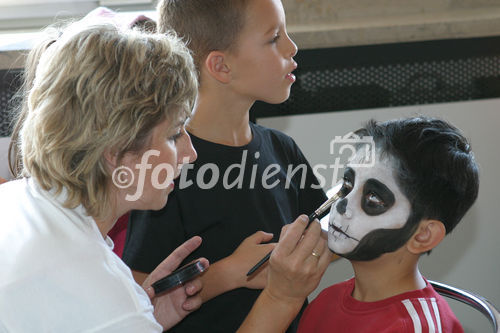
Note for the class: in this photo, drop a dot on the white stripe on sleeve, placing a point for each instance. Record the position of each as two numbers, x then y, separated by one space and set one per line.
436 314
417 327
428 316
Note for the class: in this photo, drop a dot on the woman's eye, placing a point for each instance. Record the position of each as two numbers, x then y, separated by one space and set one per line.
175 137
374 200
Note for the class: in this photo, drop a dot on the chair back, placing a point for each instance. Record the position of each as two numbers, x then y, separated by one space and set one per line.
477 302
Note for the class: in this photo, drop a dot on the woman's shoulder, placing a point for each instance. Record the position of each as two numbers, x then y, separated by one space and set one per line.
33 219
15 196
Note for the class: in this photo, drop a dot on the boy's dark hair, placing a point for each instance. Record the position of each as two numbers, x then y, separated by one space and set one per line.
433 165
205 25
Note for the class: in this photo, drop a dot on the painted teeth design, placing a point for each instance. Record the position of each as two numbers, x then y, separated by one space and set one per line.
341 232
337 232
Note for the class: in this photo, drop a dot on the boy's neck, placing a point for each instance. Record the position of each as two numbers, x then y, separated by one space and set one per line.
385 277
221 117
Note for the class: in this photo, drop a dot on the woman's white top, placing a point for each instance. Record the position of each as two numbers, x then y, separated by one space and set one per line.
58 274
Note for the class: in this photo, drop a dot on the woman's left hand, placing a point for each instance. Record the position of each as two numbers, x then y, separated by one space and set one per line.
172 306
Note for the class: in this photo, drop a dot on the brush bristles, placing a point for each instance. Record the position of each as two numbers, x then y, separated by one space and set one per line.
327 204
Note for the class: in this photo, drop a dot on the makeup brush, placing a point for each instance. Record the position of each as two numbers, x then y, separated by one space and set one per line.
318 214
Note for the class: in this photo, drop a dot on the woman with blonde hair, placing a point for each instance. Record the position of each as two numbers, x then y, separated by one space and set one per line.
103 133
100 98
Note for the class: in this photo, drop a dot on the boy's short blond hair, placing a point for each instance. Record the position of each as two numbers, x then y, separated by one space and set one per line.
98 88
205 25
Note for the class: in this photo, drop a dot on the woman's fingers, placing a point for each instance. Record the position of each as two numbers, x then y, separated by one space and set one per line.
291 235
319 250
325 258
173 261
193 287
192 303
193 300
310 241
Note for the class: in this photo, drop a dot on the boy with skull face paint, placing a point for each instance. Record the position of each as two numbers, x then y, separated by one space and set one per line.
424 180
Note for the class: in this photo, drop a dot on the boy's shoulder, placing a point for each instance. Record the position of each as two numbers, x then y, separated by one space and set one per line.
271 132
275 138
424 308
279 143
334 294
427 309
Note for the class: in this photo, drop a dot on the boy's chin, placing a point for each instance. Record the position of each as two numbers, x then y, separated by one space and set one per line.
340 250
277 99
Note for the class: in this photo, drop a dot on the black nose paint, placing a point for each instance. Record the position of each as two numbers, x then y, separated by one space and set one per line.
341 206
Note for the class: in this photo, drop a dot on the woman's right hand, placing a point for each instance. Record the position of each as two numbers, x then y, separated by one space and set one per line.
294 272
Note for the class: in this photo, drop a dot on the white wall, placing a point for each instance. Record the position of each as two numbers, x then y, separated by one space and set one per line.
468 257
4 164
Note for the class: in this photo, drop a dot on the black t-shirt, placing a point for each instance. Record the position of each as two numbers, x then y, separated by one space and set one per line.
228 194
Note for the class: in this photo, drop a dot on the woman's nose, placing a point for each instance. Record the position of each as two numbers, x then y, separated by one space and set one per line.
187 153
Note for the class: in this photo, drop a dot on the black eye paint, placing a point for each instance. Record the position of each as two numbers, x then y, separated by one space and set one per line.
348 184
341 206
347 187
377 198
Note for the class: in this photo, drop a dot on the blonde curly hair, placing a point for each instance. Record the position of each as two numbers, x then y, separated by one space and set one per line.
96 88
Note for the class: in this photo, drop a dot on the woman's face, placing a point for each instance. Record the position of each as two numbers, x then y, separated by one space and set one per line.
155 169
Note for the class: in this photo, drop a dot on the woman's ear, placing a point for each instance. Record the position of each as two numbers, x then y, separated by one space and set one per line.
111 158
428 235
216 66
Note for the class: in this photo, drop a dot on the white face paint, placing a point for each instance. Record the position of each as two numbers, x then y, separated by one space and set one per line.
373 201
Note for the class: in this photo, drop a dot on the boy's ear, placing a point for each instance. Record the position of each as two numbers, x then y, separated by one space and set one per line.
428 235
215 64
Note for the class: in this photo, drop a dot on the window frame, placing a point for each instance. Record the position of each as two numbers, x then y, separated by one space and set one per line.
28 15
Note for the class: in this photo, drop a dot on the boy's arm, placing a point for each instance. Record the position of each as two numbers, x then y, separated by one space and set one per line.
230 273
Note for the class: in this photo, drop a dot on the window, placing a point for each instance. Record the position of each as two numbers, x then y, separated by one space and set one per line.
34 14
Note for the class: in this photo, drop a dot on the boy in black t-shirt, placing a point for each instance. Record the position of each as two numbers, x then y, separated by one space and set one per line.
246 177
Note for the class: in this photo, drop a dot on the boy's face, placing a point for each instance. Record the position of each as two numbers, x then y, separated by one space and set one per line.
373 203
262 60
